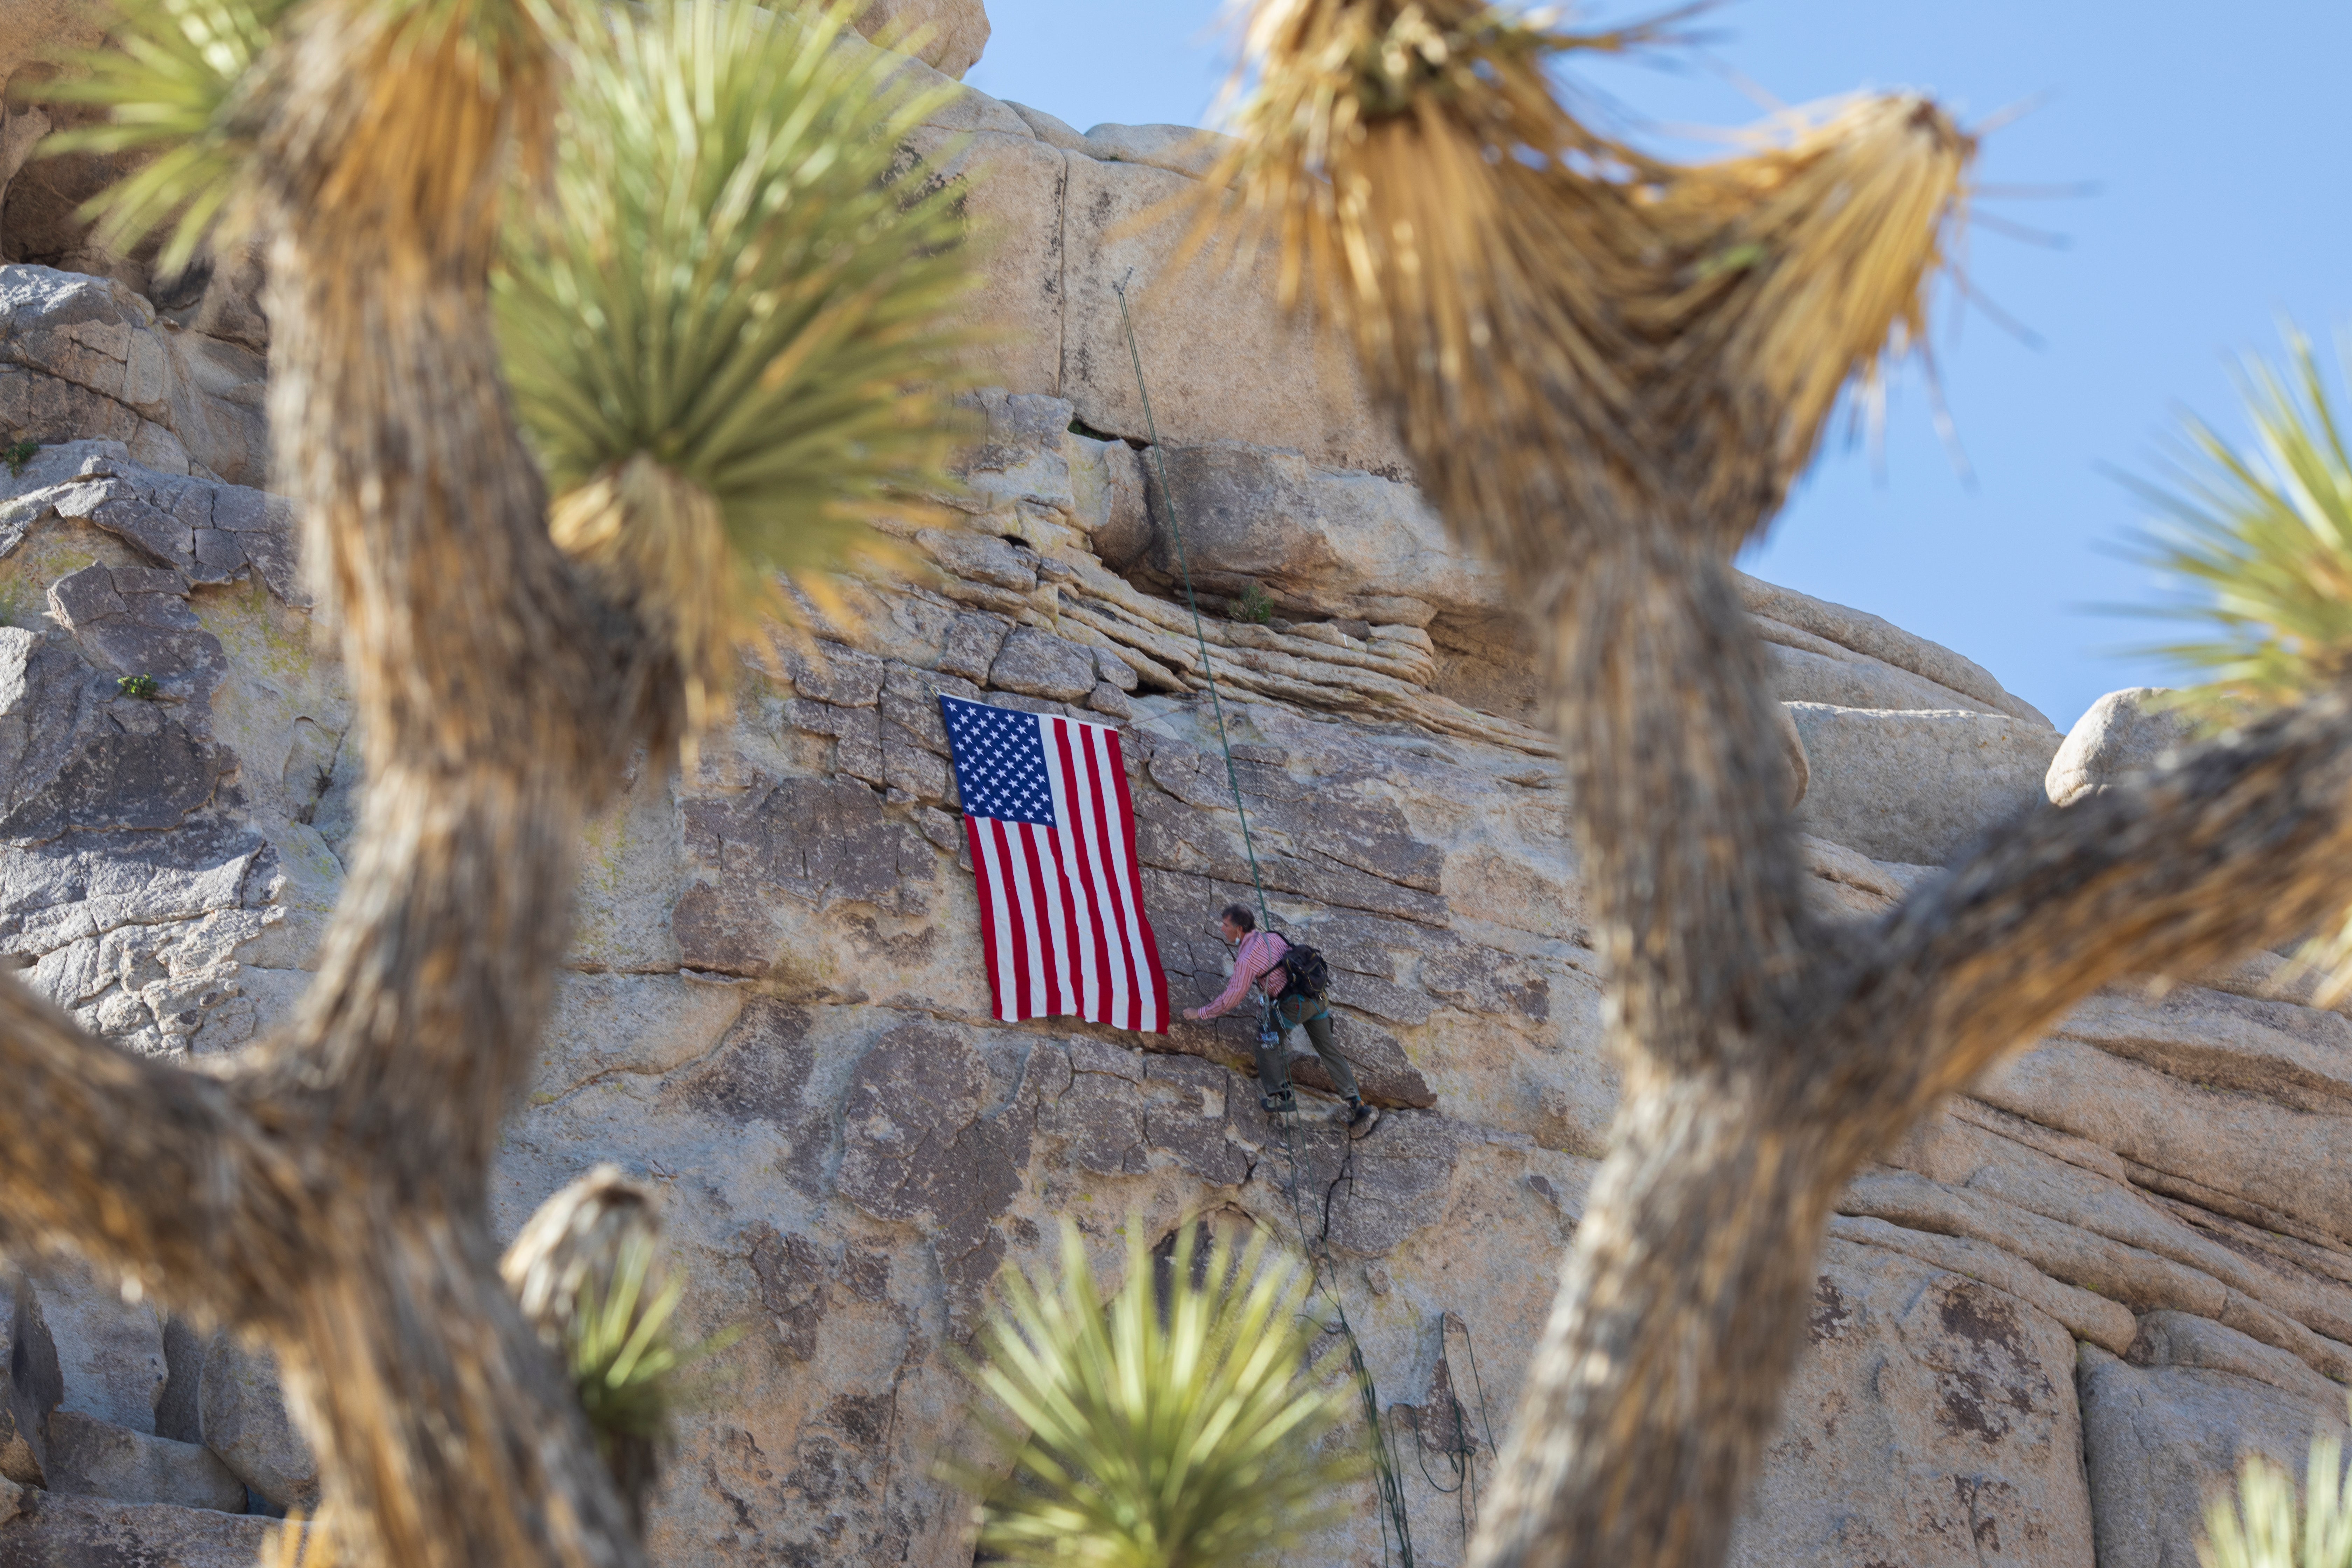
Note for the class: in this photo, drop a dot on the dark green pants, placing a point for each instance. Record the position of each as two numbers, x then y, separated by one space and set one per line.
1273 1059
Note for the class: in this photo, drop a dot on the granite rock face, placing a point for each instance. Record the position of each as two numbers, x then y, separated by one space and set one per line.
1934 1422
86 358
2044 1325
1915 787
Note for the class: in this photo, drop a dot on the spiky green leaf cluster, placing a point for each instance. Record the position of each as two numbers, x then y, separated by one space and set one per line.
627 1365
620 1347
1162 1431
2262 1528
735 280
175 82
2260 542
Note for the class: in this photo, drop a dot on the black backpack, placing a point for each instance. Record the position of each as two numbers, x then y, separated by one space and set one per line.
1310 972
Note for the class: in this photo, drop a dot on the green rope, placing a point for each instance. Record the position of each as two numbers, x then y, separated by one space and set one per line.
1386 1477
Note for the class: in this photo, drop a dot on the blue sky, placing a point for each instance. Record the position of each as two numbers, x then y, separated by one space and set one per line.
2220 155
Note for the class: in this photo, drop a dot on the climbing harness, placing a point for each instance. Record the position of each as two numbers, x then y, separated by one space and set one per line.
1391 1485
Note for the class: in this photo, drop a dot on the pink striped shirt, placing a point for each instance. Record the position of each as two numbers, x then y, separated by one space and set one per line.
1259 952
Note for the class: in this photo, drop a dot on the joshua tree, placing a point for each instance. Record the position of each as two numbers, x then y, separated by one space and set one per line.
711 317
1607 369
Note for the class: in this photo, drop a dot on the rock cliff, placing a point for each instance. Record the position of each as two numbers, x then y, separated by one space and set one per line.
2042 1325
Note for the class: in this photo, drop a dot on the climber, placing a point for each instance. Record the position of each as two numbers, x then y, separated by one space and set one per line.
1284 1004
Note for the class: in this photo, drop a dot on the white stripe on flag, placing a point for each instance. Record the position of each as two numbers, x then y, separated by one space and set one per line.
1052 882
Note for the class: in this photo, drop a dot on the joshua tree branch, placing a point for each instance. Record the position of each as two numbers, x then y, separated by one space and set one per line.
156 1170
2239 844
1770 1054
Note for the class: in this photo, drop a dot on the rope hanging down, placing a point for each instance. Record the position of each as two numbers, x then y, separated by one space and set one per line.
1184 567
1390 1484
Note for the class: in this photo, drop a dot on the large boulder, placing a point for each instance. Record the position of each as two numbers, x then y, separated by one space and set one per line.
1796 622
946 35
108 1352
89 1457
52 1530
244 1421
2159 1441
2123 734
1915 787
1324 544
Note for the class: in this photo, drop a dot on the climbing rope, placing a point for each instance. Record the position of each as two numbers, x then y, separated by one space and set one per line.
1459 1454
1184 568
1386 1478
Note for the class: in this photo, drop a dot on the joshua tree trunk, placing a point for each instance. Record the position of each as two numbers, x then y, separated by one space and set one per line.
330 1192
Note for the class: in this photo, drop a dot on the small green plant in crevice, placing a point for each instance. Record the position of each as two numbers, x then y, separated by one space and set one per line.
1176 1425
1253 606
2262 1527
17 454
143 687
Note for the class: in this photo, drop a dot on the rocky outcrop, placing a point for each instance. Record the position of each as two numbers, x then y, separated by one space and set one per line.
946 35
241 1418
85 358
2124 733
1915 785
2044 1324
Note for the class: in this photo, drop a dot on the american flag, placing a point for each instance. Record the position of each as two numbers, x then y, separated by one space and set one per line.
1053 850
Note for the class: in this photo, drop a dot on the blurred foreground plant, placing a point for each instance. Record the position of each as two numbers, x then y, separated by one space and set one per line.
2260 541
729 336
179 78
1150 1433
2261 1527
2258 544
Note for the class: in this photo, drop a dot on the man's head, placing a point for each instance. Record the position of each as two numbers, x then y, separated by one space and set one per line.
1238 921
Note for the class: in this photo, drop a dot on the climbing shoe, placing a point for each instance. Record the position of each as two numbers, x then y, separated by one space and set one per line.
1358 1118
1277 1104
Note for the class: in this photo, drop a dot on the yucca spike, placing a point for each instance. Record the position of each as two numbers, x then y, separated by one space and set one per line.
731 336
1153 1433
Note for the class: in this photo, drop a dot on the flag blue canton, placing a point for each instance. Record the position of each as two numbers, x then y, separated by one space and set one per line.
999 762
